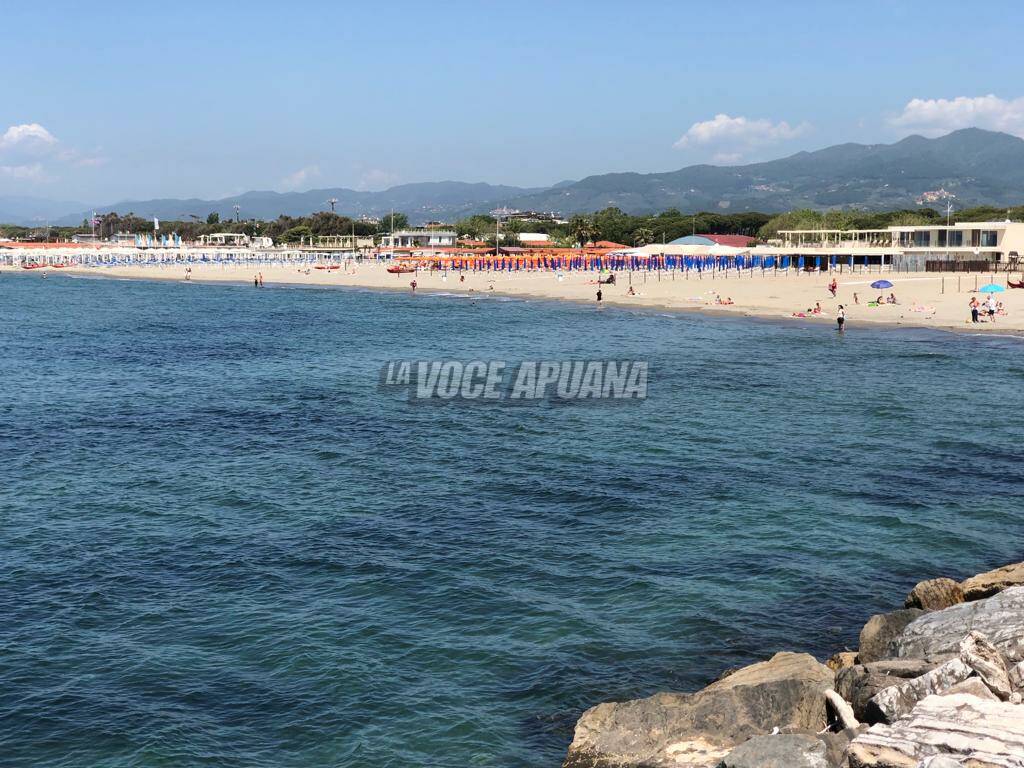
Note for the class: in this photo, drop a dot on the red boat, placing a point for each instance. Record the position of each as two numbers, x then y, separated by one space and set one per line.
33 265
327 266
400 269
1015 285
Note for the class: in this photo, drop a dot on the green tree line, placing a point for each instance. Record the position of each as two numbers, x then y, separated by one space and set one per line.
611 224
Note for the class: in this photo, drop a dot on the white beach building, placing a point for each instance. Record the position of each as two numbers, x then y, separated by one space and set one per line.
420 238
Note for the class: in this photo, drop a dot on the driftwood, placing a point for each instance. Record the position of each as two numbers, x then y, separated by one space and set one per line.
980 733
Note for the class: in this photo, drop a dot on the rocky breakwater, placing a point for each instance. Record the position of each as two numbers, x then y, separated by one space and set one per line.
936 684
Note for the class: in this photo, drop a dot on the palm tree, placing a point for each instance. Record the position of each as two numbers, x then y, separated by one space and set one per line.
582 229
642 236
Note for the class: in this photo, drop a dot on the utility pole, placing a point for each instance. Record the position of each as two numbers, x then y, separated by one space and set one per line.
238 208
332 202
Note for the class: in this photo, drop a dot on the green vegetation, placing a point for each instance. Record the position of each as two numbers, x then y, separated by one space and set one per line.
610 224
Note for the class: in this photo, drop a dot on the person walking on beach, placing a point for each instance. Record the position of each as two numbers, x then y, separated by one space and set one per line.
841 318
991 306
973 304
833 287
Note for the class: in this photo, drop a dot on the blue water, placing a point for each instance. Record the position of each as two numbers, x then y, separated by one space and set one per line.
224 545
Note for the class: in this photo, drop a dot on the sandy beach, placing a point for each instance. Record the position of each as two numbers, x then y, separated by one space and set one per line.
931 300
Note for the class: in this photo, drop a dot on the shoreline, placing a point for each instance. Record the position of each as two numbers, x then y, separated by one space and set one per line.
940 678
764 297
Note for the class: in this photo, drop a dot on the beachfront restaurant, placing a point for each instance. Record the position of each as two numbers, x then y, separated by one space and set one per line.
420 238
973 246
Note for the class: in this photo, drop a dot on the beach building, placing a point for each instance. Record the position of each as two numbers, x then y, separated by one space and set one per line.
224 238
733 241
420 238
338 242
930 247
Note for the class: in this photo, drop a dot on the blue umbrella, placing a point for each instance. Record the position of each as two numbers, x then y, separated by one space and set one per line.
881 284
992 288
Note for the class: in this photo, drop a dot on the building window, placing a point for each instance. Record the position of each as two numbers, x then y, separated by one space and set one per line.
942 238
975 238
922 239
956 239
988 238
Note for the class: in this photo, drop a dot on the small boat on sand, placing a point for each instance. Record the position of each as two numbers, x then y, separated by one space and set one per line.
400 269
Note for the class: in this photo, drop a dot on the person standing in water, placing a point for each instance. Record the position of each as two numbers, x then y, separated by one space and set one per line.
598 295
255 281
841 318
413 286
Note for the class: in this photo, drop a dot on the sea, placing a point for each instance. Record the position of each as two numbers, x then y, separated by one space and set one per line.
224 543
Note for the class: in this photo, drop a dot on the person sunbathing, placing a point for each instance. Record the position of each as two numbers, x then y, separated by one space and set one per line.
817 308
891 299
880 300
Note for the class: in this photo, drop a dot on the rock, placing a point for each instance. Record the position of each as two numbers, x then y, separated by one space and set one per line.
842 660
795 750
700 729
977 733
860 683
836 744
934 595
842 711
972 686
1000 618
898 700
880 631
987 662
940 761
1016 676
987 584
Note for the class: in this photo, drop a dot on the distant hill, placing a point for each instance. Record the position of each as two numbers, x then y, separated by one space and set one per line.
16 209
421 202
976 167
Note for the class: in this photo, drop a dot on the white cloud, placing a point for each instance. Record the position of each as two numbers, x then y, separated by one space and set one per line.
726 158
934 117
377 179
33 172
300 178
27 135
30 153
742 132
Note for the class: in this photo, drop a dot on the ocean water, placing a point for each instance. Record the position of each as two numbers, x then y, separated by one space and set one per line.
223 544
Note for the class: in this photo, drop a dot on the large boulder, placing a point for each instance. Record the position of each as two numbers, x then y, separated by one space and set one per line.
987 584
1000 618
977 732
698 730
860 683
795 750
880 631
934 595
897 701
841 660
987 663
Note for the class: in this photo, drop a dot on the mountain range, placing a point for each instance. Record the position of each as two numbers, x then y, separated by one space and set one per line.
970 167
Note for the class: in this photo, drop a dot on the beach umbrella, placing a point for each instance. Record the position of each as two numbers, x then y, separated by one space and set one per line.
992 288
881 284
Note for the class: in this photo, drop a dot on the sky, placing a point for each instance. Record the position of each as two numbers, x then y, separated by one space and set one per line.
109 101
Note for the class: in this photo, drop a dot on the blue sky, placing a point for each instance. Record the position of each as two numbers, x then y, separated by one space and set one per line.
109 101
